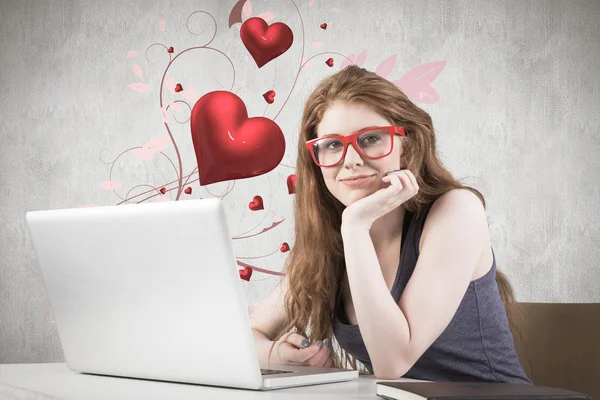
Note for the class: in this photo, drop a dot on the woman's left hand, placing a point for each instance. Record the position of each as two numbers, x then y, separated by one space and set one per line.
403 186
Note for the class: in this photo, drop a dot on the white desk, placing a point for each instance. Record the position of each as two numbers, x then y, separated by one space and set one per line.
42 381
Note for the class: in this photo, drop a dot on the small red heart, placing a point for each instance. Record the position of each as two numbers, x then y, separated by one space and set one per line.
284 247
256 204
163 190
329 62
265 42
170 49
188 190
291 184
323 26
178 88
269 96
246 273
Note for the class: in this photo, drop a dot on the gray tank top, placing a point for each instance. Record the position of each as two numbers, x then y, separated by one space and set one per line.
477 345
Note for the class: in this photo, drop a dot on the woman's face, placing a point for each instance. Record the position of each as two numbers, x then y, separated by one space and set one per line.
344 119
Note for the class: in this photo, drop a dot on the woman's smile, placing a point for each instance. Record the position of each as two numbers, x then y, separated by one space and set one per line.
357 181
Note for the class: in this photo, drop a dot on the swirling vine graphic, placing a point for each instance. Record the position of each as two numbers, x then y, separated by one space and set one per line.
229 145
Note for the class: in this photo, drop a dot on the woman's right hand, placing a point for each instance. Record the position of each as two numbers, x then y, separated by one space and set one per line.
295 349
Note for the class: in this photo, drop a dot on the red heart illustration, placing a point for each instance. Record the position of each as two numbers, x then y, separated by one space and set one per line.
291 184
188 190
256 204
329 62
246 273
269 96
284 247
228 144
323 26
170 49
264 42
178 88
163 190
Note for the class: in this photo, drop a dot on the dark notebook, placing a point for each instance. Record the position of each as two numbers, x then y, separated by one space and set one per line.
471 390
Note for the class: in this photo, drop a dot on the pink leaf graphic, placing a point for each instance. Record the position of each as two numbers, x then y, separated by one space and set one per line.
132 53
276 216
267 16
250 310
175 106
425 72
191 95
415 83
386 66
348 61
165 116
360 59
170 84
316 45
137 70
311 2
247 9
157 145
335 9
161 198
138 87
110 185
162 25
144 154
148 150
307 64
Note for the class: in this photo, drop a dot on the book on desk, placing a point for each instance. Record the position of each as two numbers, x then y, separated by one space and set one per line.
471 390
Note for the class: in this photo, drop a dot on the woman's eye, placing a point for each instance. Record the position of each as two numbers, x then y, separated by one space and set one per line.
372 139
334 144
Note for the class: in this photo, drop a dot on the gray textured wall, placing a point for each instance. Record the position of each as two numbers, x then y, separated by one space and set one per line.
517 117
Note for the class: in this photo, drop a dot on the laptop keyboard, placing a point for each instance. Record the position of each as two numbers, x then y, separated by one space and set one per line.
273 371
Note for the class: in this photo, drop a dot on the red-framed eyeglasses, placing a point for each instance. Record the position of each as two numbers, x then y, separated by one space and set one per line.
372 143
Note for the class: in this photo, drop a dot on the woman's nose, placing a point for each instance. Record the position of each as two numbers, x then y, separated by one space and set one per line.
352 156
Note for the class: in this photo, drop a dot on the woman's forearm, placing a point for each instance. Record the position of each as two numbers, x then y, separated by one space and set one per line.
383 326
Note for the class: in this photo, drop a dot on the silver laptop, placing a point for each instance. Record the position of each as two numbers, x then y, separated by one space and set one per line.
152 291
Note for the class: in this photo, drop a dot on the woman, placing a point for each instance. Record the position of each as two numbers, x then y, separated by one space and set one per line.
392 255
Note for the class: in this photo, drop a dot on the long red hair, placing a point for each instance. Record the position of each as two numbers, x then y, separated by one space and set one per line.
315 266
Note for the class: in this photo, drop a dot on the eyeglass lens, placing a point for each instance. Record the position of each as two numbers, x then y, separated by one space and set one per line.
374 144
